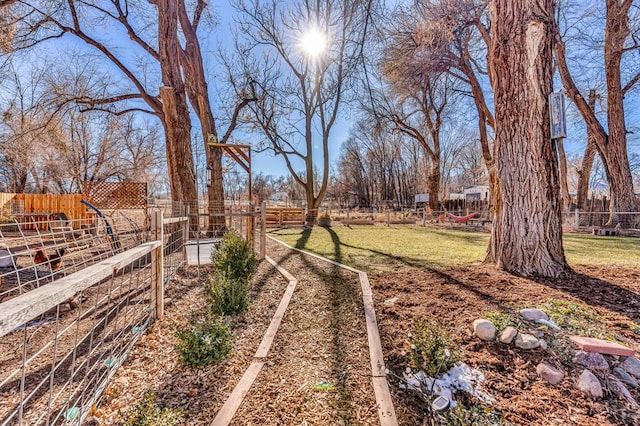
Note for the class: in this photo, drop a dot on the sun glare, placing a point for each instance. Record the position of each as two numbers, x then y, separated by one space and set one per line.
314 42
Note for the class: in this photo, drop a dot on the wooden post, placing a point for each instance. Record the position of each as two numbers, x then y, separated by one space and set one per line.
347 217
157 266
263 230
388 217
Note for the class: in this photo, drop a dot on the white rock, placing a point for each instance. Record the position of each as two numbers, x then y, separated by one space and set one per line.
552 325
390 302
526 341
632 366
533 314
507 335
484 329
589 384
549 373
543 344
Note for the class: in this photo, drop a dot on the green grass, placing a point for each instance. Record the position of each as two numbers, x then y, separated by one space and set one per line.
384 248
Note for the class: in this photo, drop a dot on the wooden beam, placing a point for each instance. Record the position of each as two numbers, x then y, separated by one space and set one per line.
21 309
168 220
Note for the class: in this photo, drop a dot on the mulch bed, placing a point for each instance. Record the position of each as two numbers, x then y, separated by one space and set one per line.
322 338
454 298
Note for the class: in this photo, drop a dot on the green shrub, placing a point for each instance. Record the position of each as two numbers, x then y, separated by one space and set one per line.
225 297
502 320
476 415
205 341
147 413
233 259
431 349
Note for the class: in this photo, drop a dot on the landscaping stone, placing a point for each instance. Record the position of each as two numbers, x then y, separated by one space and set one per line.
621 390
552 325
592 360
589 384
533 314
632 366
484 329
549 373
526 341
391 301
625 377
507 335
601 346
543 344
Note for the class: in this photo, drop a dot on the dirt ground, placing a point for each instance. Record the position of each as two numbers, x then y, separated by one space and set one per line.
454 298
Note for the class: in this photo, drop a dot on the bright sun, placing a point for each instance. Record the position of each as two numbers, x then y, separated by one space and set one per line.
314 42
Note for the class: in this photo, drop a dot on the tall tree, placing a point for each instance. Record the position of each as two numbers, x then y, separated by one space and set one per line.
527 234
300 94
610 142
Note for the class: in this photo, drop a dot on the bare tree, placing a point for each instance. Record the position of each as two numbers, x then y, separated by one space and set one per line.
299 96
527 234
611 143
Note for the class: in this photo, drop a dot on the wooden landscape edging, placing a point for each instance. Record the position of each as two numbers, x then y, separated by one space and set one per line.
18 310
231 405
386 412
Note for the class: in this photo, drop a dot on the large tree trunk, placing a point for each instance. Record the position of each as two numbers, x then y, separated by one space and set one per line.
584 174
198 91
433 183
527 232
176 122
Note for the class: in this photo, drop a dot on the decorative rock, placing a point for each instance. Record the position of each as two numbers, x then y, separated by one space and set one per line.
601 346
591 360
549 373
625 377
526 341
484 329
552 325
507 335
632 366
589 384
621 391
533 314
543 344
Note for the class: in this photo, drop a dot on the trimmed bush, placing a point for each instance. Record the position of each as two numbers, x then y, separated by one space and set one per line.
147 413
233 259
225 297
205 341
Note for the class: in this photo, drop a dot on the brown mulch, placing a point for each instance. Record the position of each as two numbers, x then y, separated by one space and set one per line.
454 298
322 338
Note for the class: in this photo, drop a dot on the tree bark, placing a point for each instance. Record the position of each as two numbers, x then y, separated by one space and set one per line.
584 173
176 120
527 233
612 147
198 91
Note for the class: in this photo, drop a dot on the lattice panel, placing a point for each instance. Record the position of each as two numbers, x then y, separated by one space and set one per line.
116 195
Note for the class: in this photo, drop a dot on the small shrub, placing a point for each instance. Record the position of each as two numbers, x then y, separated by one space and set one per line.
577 318
226 297
233 259
476 415
147 413
205 341
431 349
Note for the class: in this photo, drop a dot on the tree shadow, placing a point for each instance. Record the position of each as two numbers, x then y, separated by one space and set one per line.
596 292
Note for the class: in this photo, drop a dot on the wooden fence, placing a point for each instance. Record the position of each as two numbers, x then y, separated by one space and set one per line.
280 216
18 205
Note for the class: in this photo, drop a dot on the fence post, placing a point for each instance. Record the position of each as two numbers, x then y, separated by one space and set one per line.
347 217
263 230
388 217
157 266
576 214
185 233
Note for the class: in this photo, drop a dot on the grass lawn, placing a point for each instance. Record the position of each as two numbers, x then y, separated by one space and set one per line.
384 248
